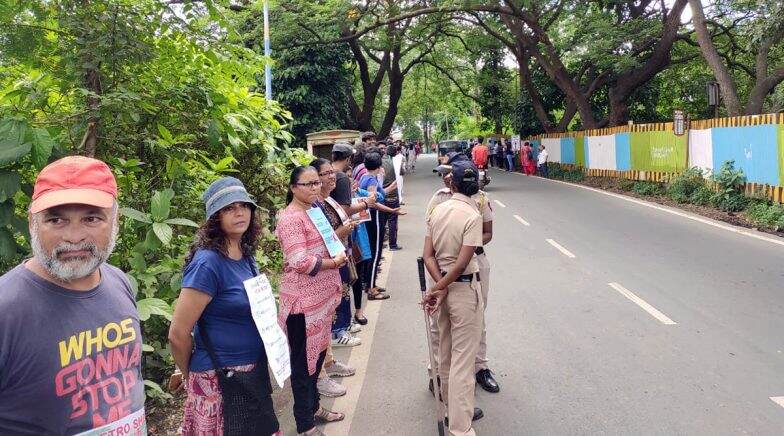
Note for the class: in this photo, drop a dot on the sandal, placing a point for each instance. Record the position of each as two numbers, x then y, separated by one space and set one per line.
324 416
361 321
377 295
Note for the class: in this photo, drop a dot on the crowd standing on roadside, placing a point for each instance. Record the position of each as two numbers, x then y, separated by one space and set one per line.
215 341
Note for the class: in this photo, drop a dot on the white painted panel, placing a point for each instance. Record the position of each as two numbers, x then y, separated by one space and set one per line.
553 147
601 152
701 149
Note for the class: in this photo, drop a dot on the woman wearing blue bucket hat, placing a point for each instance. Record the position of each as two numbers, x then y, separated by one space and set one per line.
225 357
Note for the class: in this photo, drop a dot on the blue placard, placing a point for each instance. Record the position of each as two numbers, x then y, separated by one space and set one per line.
334 246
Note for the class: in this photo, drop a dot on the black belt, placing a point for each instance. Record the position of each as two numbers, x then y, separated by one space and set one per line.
480 250
465 278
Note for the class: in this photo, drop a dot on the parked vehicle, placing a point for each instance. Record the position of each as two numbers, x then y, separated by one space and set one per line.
447 146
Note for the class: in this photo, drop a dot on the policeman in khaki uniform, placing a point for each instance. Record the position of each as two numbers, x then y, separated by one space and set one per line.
483 374
454 231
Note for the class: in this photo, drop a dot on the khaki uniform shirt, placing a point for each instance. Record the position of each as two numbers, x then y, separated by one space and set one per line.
453 224
481 198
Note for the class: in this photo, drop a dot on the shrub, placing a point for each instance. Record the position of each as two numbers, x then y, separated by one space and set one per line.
729 196
648 188
555 171
766 215
626 184
701 196
685 184
574 176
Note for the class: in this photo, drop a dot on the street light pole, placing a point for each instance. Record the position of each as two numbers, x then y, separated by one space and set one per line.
267 66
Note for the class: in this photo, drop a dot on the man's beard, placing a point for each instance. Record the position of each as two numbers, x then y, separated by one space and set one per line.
76 267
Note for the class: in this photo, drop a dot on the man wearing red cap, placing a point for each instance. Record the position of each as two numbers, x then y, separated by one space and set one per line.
70 342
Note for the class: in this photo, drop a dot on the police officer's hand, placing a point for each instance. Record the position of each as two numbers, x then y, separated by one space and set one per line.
433 298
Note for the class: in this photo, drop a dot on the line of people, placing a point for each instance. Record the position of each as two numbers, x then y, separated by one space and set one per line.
79 368
531 161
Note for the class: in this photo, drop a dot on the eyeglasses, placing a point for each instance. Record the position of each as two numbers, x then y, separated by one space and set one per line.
327 173
310 184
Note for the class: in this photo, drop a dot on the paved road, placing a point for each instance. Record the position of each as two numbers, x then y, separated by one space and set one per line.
573 353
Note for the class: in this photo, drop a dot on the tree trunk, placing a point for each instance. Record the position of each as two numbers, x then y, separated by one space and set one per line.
363 116
630 81
395 92
551 62
527 84
727 86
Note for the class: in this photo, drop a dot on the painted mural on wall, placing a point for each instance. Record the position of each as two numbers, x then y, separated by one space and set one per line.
757 149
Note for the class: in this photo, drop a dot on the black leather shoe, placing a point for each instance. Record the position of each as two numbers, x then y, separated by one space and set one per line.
485 379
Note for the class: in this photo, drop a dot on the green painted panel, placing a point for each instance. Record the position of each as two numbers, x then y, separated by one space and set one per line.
658 151
579 151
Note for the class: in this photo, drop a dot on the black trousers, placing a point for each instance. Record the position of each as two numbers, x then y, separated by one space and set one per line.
375 229
303 384
392 222
360 285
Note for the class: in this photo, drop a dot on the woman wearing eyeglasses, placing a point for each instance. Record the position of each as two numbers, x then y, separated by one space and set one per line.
310 290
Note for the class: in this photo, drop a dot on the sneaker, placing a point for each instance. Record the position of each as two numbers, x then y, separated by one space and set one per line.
330 388
354 328
340 369
345 340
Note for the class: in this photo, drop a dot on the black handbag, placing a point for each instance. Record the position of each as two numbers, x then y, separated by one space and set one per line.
247 404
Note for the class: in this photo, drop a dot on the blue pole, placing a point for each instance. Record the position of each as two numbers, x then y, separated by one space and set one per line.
267 66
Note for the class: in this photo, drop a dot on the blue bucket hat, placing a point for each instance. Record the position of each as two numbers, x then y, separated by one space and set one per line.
224 192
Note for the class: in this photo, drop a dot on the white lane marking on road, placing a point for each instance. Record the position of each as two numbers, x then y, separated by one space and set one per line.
707 221
522 221
560 248
778 400
499 203
643 304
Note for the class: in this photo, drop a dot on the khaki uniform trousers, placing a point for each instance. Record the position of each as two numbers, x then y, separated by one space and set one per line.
484 276
460 327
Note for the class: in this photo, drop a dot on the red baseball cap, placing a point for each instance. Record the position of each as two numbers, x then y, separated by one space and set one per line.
74 180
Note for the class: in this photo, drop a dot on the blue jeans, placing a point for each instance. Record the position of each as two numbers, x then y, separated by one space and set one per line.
510 161
342 314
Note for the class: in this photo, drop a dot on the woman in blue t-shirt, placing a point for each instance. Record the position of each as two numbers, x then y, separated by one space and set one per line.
213 303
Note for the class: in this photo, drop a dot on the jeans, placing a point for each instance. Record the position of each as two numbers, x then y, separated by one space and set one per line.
303 384
392 221
342 314
510 161
543 170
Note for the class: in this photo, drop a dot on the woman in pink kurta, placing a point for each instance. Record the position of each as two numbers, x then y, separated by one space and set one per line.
310 290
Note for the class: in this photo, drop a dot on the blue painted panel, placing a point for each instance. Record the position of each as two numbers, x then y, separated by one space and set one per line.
753 148
567 150
623 152
586 154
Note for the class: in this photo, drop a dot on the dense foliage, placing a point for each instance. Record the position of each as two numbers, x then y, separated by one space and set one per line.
167 98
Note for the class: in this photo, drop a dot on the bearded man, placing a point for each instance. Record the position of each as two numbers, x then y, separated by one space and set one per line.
70 343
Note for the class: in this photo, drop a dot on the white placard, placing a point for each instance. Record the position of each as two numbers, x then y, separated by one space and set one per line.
134 424
516 142
265 316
